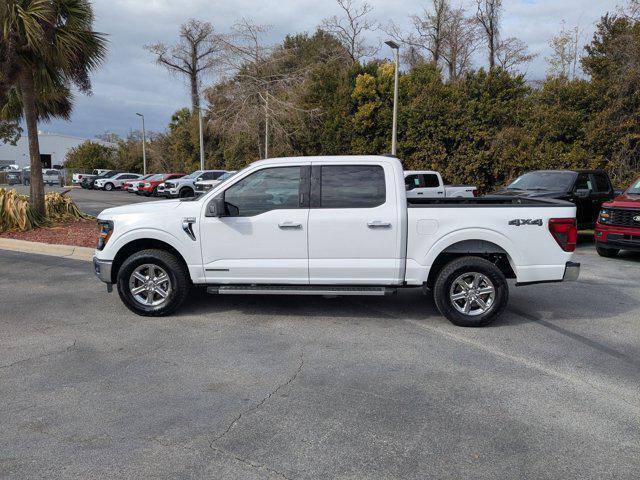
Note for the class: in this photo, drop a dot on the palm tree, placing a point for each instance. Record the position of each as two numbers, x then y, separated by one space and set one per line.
46 47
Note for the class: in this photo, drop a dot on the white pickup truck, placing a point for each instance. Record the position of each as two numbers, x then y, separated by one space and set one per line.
333 226
429 184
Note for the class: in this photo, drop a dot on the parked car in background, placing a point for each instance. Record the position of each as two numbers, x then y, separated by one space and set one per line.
129 185
334 226
13 177
77 178
88 182
618 226
429 184
150 186
202 186
51 177
185 186
587 189
114 182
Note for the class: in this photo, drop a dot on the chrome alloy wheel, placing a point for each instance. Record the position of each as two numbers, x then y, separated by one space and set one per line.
150 285
472 294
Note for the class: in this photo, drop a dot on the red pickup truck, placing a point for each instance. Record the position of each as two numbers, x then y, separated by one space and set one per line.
618 226
150 186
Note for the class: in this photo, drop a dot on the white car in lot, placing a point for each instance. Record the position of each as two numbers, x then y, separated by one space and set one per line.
185 186
115 182
429 184
76 178
203 185
334 226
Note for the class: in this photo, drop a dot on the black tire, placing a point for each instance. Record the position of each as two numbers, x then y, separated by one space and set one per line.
154 192
176 271
186 192
108 186
607 252
468 266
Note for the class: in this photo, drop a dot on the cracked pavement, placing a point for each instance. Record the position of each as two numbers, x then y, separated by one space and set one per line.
243 387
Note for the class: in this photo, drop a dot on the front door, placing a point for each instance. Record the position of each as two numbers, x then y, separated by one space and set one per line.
354 225
263 237
584 204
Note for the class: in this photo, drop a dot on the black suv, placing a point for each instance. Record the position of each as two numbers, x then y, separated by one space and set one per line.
588 189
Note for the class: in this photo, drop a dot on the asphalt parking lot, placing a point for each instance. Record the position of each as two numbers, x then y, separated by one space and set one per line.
315 388
94 201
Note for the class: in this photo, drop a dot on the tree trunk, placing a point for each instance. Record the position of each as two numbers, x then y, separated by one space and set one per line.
36 189
195 97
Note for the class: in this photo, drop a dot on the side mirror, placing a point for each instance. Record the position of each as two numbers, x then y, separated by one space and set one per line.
583 193
617 193
408 186
216 207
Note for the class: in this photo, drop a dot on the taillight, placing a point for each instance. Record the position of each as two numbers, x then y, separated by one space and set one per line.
475 192
565 232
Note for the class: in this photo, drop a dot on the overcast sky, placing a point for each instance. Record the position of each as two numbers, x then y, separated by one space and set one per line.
131 82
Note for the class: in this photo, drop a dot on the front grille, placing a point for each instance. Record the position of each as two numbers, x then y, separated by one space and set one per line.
168 185
623 218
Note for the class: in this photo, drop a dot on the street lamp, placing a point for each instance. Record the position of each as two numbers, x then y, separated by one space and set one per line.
144 146
394 132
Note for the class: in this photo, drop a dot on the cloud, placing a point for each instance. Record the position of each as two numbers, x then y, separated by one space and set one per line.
131 82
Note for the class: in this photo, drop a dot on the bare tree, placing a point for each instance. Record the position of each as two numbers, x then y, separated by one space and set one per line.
488 17
350 28
512 53
260 100
429 30
194 56
632 10
460 41
564 58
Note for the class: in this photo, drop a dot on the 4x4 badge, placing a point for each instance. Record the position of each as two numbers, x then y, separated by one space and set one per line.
526 221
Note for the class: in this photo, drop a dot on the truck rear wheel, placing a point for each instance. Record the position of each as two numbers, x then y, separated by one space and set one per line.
153 283
471 292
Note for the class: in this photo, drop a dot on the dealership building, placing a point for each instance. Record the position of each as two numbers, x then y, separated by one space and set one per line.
53 150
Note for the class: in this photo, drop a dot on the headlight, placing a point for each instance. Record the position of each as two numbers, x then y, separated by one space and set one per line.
605 216
207 186
105 229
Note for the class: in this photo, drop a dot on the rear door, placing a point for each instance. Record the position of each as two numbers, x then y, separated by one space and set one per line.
603 192
354 225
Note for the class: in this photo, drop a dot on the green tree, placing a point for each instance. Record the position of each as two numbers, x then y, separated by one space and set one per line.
46 46
9 132
90 155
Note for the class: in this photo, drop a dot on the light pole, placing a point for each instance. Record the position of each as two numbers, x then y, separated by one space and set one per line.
144 146
201 133
394 129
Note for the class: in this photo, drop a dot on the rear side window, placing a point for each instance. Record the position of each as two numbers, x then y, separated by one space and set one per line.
431 181
216 175
352 186
602 183
208 176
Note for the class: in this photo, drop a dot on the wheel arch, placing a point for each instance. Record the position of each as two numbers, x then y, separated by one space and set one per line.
482 248
138 245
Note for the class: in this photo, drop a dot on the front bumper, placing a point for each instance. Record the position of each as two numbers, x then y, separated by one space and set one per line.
619 238
102 269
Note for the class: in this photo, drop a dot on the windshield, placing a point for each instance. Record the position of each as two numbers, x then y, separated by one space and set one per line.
634 189
155 176
224 176
543 181
194 175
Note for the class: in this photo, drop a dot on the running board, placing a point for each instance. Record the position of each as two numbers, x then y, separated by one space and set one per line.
301 290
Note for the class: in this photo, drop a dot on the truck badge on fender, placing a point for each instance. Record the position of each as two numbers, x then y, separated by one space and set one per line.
526 221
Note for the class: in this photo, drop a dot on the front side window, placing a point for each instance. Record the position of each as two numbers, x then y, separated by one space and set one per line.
265 190
583 182
602 182
413 181
352 186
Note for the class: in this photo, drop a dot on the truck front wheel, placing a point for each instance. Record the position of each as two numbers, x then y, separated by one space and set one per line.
471 292
153 283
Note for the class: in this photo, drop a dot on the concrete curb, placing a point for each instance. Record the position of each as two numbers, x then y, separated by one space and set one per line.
62 251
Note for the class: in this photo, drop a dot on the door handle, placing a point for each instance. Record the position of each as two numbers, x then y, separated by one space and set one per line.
420 193
290 225
378 224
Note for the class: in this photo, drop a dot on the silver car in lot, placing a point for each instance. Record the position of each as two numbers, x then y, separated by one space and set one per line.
203 186
185 186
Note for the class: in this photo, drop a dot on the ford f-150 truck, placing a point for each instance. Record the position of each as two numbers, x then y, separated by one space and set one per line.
429 184
333 226
618 226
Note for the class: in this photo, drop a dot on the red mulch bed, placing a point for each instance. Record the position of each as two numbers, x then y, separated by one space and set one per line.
81 233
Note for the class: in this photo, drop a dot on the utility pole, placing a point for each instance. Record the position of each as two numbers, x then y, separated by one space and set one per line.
144 146
394 128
